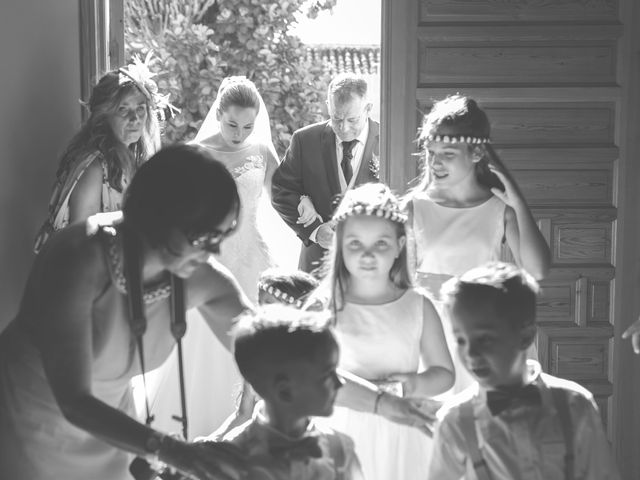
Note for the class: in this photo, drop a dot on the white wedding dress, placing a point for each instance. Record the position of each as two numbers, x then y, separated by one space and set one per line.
246 253
212 380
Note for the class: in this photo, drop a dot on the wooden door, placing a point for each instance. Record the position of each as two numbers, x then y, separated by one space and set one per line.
557 79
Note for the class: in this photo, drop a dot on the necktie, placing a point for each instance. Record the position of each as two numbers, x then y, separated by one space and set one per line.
303 449
503 399
347 169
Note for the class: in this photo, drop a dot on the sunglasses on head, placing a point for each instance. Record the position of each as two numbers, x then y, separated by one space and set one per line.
210 241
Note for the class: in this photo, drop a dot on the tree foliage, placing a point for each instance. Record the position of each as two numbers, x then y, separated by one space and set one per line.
196 43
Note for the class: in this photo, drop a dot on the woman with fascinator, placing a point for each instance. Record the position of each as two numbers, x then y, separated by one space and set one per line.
122 131
236 132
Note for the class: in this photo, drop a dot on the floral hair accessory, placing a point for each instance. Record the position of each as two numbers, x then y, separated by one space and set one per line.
139 73
373 199
456 139
389 212
280 295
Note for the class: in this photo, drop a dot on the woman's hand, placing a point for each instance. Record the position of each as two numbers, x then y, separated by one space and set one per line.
204 460
307 212
406 411
634 332
511 195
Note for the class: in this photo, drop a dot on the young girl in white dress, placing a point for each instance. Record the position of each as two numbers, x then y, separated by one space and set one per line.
389 334
236 131
467 206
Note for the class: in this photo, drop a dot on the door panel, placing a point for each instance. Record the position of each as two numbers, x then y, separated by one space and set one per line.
556 79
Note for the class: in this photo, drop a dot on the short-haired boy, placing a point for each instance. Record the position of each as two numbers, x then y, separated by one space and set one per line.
289 357
514 422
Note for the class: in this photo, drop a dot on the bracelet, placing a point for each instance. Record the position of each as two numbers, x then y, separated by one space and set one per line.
153 443
376 404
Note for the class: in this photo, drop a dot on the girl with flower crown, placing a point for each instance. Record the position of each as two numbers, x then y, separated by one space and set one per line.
389 335
122 131
467 205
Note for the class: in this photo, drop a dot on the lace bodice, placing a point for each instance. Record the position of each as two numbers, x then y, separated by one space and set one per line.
245 253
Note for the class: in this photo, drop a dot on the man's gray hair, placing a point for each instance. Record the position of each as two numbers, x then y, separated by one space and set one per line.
343 86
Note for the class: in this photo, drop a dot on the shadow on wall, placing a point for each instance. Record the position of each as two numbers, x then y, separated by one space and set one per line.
39 94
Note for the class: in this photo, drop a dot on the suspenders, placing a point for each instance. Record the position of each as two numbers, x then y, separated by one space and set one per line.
468 425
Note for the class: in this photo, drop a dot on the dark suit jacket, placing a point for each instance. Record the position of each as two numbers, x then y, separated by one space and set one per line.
310 168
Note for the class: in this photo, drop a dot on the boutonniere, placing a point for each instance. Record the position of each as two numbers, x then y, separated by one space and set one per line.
374 163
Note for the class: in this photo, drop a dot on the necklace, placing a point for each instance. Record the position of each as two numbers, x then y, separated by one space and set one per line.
151 295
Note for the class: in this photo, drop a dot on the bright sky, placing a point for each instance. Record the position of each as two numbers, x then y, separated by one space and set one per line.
352 22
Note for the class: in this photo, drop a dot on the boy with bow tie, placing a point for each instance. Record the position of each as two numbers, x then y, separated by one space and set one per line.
515 422
289 357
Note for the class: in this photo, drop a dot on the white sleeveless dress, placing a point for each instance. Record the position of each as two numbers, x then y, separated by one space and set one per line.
449 241
452 240
213 382
375 342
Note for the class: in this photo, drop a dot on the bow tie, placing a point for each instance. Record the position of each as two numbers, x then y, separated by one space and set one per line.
302 449
503 399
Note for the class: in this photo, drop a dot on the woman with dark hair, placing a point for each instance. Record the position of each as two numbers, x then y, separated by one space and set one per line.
100 307
122 131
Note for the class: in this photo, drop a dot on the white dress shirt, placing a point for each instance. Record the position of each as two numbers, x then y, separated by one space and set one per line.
525 442
356 159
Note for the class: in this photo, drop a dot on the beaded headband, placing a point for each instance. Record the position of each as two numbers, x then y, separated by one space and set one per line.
391 212
280 295
456 139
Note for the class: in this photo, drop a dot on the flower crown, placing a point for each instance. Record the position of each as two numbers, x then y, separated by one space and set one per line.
139 73
280 295
456 139
390 212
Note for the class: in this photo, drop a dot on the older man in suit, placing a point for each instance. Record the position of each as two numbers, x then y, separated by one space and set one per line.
322 162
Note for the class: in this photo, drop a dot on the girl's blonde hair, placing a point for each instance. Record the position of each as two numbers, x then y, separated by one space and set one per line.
372 199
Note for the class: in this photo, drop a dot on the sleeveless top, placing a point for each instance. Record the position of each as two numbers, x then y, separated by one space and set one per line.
379 340
453 240
111 199
36 440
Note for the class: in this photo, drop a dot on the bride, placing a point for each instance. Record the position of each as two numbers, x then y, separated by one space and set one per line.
236 131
